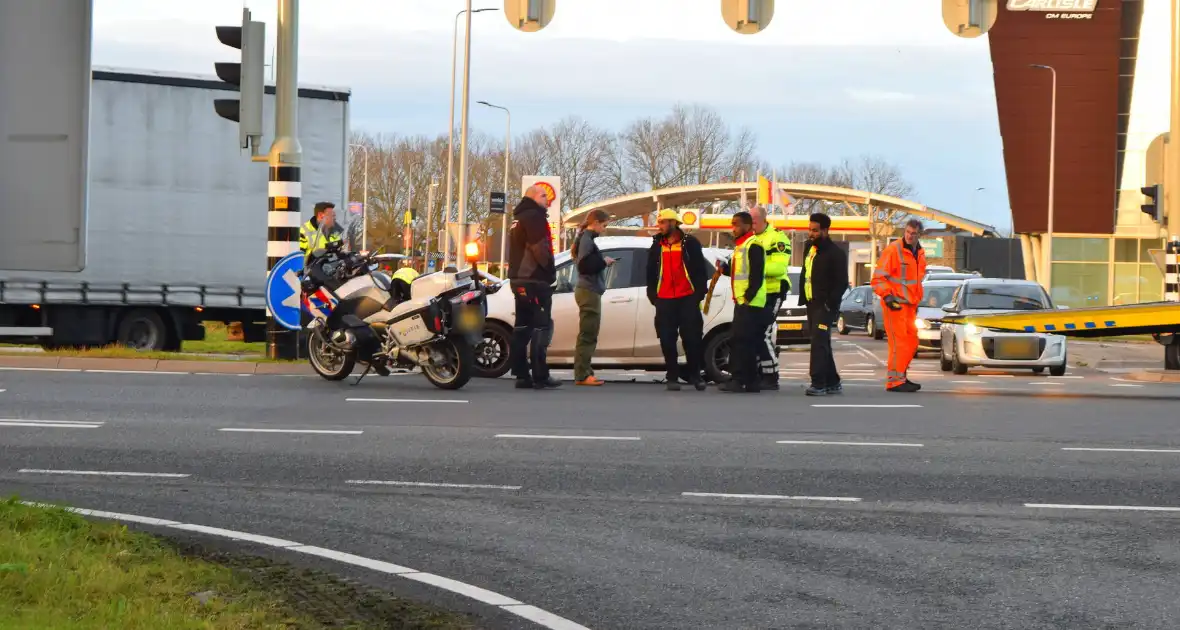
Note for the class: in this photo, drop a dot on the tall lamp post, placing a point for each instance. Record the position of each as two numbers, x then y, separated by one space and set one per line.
364 199
429 224
451 127
504 221
1047 254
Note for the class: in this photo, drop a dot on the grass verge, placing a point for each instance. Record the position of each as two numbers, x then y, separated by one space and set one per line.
216 342
59 570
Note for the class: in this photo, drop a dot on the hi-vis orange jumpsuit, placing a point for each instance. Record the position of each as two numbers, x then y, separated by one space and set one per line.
899 273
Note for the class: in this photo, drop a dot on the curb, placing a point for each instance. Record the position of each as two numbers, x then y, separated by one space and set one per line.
1155 376
153 365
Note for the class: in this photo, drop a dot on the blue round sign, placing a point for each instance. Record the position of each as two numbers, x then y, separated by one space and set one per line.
284 291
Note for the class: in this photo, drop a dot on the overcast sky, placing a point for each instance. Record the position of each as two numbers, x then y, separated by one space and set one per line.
821 82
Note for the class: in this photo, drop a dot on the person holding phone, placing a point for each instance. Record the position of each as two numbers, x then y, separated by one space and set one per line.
588 292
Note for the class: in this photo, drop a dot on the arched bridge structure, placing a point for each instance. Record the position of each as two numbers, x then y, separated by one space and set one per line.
652 201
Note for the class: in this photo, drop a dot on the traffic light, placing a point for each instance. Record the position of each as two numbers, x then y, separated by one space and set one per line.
1154 207
248 75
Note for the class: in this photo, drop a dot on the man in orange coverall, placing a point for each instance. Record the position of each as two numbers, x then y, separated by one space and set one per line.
898 281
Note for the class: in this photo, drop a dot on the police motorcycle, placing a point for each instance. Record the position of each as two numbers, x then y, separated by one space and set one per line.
359 314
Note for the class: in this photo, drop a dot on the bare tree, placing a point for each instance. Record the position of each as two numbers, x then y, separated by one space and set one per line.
577 152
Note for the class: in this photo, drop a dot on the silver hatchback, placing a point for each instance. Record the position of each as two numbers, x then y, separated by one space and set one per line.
967 345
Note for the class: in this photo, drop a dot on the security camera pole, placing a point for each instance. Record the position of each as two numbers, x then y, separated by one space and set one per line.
286 158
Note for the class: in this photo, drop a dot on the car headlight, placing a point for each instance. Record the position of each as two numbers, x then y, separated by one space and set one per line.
971 330
921 324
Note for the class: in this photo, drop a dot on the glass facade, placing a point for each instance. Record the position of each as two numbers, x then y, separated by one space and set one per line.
1101 271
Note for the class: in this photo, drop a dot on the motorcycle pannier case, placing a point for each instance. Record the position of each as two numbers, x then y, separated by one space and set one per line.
417 326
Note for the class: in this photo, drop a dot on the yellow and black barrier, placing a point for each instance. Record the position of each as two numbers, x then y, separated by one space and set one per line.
1095 321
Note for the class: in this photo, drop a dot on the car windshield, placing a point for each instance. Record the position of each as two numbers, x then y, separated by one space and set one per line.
1006 297
937 296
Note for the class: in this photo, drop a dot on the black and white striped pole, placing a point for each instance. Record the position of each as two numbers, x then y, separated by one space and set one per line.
1172 271
284 189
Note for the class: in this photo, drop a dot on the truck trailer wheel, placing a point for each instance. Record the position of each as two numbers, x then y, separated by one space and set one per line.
143 330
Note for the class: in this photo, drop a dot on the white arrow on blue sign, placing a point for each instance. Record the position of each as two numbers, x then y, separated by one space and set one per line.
284 293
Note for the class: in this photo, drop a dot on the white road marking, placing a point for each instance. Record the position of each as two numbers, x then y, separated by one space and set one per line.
507 604
868 355
968 382
405 400
855 365
525 436
1132 508
323 431
827 443
862 380
867 406
425 484
996 376
136 372
1122 450
1068 376
50 424
1045 383
32 369
3 390
101 473
780 497
1124 385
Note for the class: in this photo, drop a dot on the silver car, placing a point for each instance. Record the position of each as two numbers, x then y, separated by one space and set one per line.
967 345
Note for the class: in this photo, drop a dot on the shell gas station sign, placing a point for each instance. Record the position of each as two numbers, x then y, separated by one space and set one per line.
552 188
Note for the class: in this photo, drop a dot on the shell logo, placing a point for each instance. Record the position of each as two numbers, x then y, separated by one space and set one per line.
689 218
550 194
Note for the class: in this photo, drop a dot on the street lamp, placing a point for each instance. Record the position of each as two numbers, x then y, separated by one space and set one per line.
364 199
429 222
451 126
1047 254
504 222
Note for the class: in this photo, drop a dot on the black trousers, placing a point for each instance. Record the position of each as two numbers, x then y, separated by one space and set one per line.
680 318
533 330
768 349
823 364
748 332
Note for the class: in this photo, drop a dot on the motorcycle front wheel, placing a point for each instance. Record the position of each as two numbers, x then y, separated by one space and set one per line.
451 363
328 362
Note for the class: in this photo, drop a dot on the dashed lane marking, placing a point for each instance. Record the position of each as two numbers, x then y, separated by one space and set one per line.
51 424
767 497
323 431
163 373
1129 508
427 484
538 616
407 400
101 473
866 406
32 369
527 436
827 443
1124 385
1121 450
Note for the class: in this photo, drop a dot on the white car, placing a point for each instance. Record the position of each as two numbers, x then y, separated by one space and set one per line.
627 338
967 345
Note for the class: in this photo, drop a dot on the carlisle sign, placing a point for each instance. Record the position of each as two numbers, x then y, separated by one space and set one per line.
1065 6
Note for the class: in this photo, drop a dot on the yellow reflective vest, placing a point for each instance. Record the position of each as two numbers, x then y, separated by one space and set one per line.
777 246
311 239
741 275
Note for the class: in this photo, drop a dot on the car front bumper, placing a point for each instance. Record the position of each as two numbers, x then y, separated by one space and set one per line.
981 350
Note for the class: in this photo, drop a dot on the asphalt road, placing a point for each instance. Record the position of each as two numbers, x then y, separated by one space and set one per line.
674 510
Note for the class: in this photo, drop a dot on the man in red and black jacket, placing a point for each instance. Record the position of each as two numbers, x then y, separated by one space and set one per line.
677 280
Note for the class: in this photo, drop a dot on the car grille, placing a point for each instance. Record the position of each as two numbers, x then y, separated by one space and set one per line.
989 347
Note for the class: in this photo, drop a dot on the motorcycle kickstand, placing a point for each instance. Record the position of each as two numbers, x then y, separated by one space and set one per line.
368 368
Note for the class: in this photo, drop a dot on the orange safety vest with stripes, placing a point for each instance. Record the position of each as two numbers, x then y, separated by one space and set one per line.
899 272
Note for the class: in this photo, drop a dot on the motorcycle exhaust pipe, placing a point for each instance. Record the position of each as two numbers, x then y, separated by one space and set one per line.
343 338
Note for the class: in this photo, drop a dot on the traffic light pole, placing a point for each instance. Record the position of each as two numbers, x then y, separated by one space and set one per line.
286 158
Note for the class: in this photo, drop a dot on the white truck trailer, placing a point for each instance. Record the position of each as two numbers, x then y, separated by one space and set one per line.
176 221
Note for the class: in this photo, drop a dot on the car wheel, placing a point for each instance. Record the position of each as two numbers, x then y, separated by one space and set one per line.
870 327
491 354
956 366
143 330
1038 370
1059 370
841 327
717 357
944 363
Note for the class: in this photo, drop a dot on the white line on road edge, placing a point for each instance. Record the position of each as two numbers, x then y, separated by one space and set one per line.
32 369
867 406
47 424
101 473
426 484
826 443
1045 383
405 400
325 431
136 372
1132 508
52 421
1067 376
780 497
1124 385
541 617
1123 450
522 436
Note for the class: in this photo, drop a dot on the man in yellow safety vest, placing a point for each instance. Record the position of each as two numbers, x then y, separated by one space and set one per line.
748 270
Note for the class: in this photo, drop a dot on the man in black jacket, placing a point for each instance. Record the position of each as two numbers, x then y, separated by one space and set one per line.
824 280
677 280
532 273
